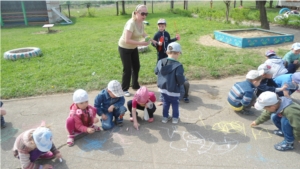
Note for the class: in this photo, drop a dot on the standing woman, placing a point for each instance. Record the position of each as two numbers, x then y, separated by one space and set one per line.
131 38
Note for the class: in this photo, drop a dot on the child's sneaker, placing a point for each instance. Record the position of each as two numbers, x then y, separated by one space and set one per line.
175 120
166 119
278 133
186 100
284 145
151 120
48 155
70 140
126 94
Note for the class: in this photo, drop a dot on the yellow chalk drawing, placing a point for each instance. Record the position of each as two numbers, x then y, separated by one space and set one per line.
230 127
261 133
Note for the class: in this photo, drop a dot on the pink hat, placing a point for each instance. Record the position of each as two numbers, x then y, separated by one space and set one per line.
142 95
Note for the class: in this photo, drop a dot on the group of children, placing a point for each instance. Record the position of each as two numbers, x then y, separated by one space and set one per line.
261 89
269 88
109 104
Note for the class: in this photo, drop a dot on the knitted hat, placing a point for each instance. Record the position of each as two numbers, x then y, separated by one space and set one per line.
115 87
42 137
80 96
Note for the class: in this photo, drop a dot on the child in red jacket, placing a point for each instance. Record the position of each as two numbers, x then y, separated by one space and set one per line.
82 117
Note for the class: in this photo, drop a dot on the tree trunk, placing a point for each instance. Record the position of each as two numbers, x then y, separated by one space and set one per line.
271 3
241 4
117 5
172 4
234 3
144 2
152 6
227 3
263 15
123 7
256 4
185 5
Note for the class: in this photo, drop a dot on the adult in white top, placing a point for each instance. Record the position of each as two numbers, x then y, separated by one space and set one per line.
133 36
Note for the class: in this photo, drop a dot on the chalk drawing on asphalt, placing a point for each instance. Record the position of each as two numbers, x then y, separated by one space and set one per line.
230 127
260 133
194 142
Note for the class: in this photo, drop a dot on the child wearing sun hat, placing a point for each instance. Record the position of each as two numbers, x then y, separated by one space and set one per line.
35 144
292 58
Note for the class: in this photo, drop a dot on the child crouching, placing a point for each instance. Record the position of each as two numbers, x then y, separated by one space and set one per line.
82 117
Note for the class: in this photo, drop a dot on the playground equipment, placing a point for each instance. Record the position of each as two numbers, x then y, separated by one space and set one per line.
18 53
285 13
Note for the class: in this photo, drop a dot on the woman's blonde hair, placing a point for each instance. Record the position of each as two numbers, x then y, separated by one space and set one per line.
138 7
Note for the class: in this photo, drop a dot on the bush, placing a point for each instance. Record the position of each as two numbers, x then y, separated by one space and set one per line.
181 12
239 14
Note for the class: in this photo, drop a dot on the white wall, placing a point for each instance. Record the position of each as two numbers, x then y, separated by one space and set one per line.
53 17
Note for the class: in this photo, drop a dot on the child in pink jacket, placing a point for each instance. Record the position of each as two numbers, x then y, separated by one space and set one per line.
82 117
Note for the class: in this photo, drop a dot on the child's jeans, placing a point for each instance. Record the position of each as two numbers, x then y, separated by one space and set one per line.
168 100
108 123
2 121
150 111
283 124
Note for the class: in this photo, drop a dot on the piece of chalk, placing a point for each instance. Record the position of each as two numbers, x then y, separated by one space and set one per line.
127 129
60 159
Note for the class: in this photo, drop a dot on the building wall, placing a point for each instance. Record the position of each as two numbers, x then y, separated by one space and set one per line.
53 17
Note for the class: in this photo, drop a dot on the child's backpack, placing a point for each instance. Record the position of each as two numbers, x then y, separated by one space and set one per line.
142 95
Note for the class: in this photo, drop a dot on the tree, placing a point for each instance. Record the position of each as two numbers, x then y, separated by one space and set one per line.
263 15
123 7
227 3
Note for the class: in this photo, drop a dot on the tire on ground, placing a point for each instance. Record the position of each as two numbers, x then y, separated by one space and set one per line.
18 53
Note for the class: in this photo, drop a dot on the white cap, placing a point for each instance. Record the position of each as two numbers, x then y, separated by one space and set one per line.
296 46
174 47
253 74
266 68
161 21
80 96
266 99
115 87
42 137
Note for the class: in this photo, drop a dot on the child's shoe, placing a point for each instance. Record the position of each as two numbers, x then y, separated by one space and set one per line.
70 140
175 120
278 133
186 100
48 155
166 119
284 145
151 120
3 126
126 94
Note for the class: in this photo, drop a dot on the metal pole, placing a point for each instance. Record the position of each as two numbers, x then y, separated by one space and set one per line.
24 12
2 24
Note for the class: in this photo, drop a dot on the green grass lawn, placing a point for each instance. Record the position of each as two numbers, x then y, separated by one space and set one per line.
71 55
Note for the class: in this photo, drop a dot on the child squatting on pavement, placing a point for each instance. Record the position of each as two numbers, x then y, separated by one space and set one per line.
110 103
284 114
82 117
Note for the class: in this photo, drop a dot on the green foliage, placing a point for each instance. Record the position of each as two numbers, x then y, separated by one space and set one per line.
91 12
181 12
239 14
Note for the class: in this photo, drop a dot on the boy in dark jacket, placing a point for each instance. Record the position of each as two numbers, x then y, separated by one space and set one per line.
284 114
170 78
162 39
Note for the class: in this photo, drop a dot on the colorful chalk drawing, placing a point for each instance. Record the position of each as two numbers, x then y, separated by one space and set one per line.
7 134
260 133
194 142
230 127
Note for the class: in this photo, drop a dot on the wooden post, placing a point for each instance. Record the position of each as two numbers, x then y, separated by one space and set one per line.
211 4
152 6
117 5
123 7
234 3
172 4
68 3
144 2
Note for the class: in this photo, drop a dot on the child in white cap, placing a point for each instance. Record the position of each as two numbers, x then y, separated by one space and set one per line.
82 117
267 83
285 116
162 39
110 103
277 63
35 144
292 58
242 95
170 76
